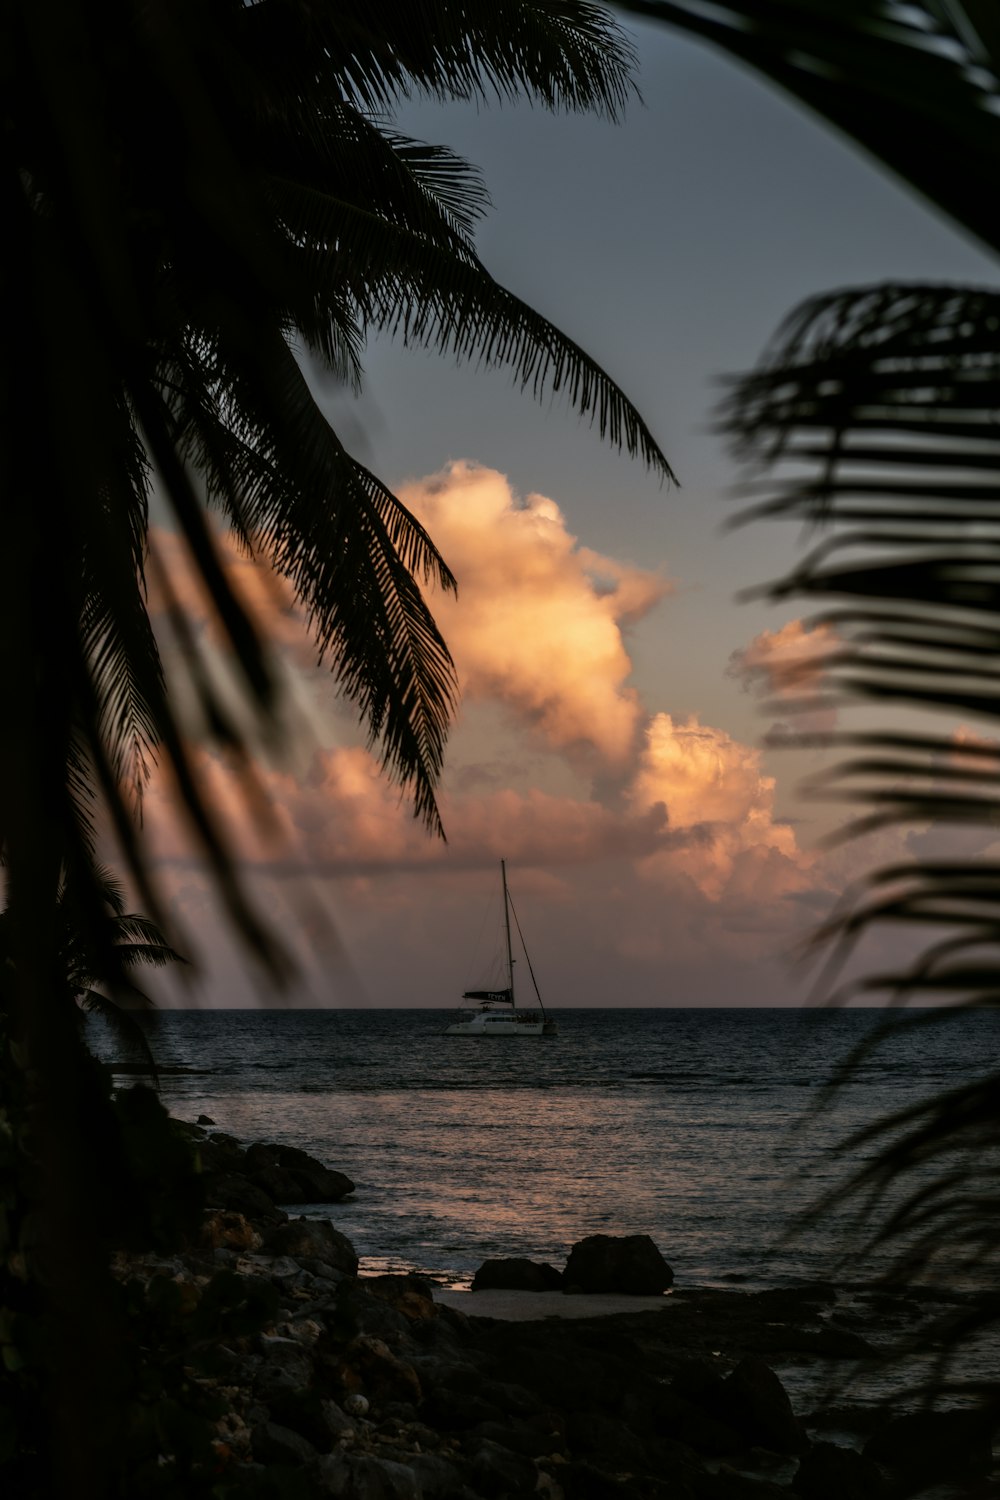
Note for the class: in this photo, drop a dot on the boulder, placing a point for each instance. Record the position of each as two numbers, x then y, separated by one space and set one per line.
829 1472
457 1411
285 1366
313 1239
497 1471
231 1190
274 1444
683 1420
370 1363
289 1175
364 1477
517 1275
225 1230
435 1475
931 1445
607 1441
205 1120
617 1263
583 1481
521 1437
753 1400
410 1295
733 1484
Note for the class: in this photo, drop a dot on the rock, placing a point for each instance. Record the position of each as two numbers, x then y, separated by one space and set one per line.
285 1366
753 1400
316 1417
829 1472
289 1175
227 1145
698 1380
517 1275
384 1376
607 1441
320 1269
521 1437
275 1444
411 1295
733 1484
361 1477
497 1471
435 1475
205 1120
315 1239
685 1421
582 1481
224 1229
356 1405
457 1411
932 1445
515 1400
617 1263
231 1190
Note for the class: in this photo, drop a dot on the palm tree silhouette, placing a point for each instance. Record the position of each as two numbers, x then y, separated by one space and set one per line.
96 967
200 198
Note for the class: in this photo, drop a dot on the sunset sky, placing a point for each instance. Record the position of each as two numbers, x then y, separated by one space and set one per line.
608 740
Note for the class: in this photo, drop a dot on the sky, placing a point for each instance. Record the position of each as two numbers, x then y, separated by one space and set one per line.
608 742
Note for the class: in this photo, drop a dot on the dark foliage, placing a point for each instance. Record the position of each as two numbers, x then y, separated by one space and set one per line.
874 421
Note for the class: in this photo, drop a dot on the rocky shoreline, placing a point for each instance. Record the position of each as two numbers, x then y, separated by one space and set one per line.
321 1382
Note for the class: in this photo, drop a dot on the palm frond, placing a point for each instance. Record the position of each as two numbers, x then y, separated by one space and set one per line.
875 412
353 553
127 1031
566 54
874 416
916 84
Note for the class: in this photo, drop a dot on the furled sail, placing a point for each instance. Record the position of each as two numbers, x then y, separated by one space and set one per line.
507 996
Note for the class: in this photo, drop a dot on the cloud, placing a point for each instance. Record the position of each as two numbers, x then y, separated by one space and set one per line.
538 621
787 666
343 817
710 782
266 597
648 841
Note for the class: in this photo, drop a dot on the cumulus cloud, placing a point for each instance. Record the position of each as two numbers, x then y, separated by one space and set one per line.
538 621
667 850
343 817
708 781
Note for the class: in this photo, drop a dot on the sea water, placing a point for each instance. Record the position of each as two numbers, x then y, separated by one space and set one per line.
708 1130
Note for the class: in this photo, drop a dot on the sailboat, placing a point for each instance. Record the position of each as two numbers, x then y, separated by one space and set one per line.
497 1012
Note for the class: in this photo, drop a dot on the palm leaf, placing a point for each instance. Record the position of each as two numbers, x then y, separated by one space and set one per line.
916 85
352 552
874 417
567 54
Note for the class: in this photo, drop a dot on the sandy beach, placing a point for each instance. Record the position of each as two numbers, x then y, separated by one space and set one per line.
530 1307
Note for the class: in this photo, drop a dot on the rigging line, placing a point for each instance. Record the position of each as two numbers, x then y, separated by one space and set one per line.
524 947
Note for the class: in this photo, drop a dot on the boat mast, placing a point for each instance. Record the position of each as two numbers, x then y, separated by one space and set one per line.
506 923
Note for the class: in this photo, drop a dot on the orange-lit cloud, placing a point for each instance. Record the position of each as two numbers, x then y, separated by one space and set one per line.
538 621
266 597
667 849
707 780
787 666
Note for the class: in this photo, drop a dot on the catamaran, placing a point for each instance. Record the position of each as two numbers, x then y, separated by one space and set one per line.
496 1012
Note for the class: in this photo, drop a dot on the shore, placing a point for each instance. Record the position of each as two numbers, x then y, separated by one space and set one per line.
532 1307
386 1387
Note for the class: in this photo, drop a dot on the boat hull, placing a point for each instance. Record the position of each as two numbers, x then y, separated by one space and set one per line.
501 1026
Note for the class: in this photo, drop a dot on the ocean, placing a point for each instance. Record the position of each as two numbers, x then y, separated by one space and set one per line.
708 1130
